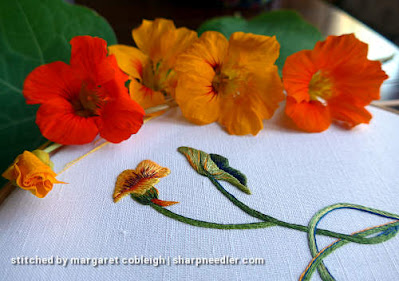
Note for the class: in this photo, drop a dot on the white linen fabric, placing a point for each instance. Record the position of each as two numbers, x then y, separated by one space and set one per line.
291 174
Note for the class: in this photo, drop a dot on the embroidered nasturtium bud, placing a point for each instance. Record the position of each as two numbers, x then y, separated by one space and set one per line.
216 166
32 171
140 183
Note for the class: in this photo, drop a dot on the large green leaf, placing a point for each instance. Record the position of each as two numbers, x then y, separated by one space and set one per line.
34 33
292 32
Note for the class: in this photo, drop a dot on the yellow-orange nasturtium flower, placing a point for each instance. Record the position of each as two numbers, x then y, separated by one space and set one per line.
140 183
233 82
150 66
32 171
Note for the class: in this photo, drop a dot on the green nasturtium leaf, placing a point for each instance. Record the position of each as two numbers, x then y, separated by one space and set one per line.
204 165
33 33
291 30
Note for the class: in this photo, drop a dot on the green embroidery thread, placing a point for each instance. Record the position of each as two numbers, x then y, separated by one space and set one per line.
216 167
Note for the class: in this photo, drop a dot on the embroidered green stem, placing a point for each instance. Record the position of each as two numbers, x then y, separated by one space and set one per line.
387 232
206 224
323 271
261 216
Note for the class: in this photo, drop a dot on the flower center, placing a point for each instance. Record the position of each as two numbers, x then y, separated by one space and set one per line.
219 80
90 101
320 87
154 76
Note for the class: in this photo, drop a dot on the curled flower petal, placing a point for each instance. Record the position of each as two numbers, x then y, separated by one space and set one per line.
30 173
163 203
140 181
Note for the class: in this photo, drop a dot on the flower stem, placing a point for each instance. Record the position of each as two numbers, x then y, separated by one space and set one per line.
169 103
261 216
206 224
52 147
44 145
156 109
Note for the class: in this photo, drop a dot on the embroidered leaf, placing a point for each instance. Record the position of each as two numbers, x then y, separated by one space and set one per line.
204 165
141 181
223 163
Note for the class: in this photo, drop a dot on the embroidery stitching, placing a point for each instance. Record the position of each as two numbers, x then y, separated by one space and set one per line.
140 184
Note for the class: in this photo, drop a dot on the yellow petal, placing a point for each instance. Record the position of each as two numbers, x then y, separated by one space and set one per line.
197 101
151 37
148 168
140 180
208 51
252 51
131 60
145 96
240 119
30 173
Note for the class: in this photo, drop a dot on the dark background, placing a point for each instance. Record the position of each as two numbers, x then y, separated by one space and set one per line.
124 15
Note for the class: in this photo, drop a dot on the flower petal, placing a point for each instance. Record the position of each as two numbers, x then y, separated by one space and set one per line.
89 59
161 41
297 73
59 123
120 119
150 169
30 173
344 108
197 100
87 50
145 96
129 182
179 40
163 203
336 51
344 58
238 118
49 81
130 59
150 37
252 51
310 116
204 54
265 91
140 180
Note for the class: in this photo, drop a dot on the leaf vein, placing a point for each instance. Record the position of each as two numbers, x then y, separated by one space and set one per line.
39 50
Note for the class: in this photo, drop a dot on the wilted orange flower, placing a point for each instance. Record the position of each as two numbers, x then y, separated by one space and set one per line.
232 82
150 67
86 97
31 173
140 183
334 81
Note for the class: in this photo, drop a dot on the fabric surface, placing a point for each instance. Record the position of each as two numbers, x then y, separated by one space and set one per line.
291 174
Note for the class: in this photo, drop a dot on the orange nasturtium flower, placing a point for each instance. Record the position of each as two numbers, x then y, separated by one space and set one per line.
32 171
334 81
232 82
86 97
140 183
150 67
